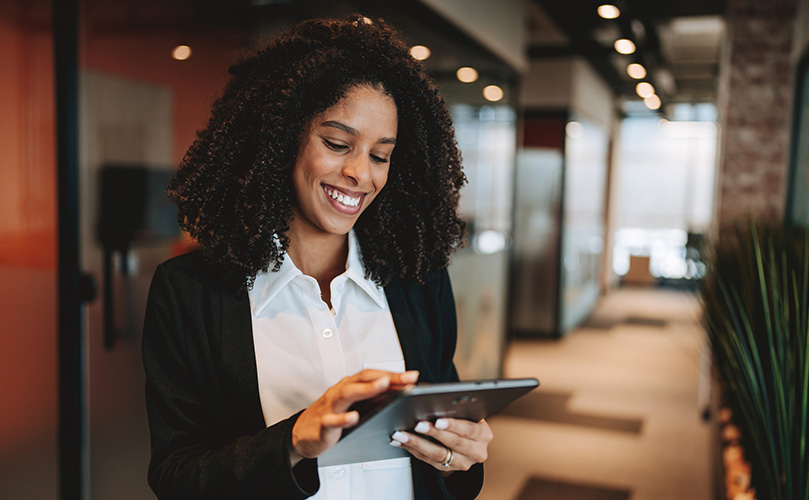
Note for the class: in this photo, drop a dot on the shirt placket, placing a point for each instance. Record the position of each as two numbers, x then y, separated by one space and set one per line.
337 479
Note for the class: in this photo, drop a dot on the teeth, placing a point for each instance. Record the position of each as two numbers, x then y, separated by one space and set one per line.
343 198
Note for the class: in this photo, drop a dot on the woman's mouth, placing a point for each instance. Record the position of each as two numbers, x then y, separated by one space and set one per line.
342 198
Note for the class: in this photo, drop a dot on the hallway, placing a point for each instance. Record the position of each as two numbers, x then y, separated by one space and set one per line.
618 412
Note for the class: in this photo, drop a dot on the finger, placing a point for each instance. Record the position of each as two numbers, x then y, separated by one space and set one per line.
356 391
369 383
340 420
407 378
341 396
476 431
474 445
429 452
368 375
365 385
445 437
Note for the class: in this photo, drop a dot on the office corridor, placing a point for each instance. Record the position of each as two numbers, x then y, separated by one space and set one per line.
618 413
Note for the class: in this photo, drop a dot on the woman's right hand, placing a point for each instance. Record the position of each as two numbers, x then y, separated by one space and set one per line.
320 426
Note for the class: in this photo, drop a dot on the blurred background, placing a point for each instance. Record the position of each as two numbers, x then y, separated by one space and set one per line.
606 146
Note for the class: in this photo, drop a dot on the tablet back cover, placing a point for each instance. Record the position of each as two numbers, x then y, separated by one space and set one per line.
369 440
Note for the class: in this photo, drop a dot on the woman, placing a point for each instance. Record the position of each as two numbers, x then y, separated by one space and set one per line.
323 195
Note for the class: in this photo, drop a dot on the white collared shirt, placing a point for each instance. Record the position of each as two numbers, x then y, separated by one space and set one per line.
303 348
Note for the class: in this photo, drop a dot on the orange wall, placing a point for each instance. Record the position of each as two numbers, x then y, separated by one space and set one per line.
27 147
28 384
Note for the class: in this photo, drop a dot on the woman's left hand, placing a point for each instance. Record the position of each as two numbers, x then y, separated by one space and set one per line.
464 443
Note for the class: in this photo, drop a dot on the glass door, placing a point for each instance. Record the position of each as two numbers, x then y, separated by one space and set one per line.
148 73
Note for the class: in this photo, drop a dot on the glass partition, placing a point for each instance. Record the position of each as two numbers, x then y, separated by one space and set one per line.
583 219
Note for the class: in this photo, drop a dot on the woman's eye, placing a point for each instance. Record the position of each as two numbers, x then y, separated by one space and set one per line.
377 159
334 146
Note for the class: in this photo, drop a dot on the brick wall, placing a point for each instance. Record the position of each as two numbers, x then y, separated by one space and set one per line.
755 100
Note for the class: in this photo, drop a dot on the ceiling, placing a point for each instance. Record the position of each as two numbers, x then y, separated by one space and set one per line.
257 20
679 43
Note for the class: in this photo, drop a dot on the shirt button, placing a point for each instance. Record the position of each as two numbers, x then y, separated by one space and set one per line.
338 472
327 333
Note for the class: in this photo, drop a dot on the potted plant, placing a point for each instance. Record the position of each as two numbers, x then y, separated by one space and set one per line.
756 309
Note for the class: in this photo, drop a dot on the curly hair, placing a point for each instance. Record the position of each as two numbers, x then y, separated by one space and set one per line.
234 187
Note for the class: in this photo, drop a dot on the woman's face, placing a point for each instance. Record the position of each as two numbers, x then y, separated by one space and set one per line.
343 162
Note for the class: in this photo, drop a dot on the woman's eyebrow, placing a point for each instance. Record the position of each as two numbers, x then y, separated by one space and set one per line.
351 130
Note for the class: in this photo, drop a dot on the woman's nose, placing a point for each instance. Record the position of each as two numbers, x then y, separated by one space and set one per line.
357 167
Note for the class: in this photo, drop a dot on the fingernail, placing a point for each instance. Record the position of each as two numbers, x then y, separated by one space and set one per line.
410 376
422 427
381 383
395 443
399 436
441 423
353 417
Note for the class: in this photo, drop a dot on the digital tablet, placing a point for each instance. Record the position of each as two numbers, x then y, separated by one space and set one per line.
395 411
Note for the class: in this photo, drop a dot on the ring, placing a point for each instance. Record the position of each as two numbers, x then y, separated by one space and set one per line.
447 459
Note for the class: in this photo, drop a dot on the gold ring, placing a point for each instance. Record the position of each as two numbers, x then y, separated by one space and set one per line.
447 459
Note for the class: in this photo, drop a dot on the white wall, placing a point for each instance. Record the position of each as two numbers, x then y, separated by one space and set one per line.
590 96
546 85
571 84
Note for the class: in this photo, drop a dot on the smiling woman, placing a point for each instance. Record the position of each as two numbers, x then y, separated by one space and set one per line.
344 155
323 194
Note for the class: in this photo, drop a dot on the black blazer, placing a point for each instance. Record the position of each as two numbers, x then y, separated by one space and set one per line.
209 439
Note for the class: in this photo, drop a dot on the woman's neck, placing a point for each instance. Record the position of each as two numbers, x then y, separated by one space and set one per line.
319 255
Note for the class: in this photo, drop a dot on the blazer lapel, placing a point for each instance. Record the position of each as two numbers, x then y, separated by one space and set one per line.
405 326
239 360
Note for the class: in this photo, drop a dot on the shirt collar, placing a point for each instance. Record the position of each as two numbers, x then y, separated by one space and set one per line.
355 271
268 284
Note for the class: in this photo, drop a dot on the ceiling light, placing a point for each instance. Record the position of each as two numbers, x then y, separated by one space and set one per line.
652 102
467 74
181 52
420 52
644 89
608 11
636 71
624 46
493 93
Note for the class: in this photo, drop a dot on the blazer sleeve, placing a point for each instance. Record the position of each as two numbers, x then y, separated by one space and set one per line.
460 485
198 450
